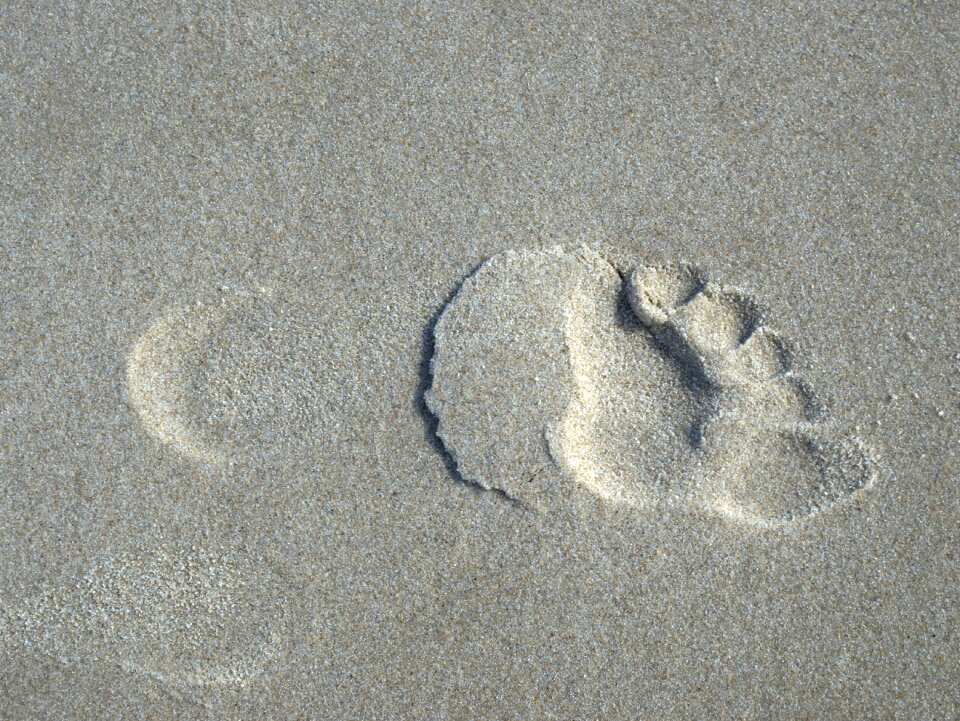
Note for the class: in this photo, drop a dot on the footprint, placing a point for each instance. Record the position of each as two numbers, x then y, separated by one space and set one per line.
770 456
237 375
184 616
553 372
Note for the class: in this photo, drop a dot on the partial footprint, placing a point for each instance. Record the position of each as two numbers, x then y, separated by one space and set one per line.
235 375
552 373
770 455
185 617
542 378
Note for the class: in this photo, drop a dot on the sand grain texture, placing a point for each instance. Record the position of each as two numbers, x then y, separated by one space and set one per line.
287 288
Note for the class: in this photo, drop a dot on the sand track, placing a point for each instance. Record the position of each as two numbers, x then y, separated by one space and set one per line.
683 396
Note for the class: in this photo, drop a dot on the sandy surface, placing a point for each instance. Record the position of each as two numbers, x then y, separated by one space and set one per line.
226 238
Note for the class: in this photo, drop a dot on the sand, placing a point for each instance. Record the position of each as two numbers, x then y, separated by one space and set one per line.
349 366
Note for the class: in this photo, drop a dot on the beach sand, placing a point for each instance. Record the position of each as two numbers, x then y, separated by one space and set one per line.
337 379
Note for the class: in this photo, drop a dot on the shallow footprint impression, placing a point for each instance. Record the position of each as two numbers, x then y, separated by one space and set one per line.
554 371
194 616
237 376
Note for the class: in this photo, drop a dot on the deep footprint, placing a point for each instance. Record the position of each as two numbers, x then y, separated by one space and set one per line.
769 455
552 373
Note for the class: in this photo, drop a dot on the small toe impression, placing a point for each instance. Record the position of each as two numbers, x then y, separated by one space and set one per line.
656 292
844 465
790 399
811 406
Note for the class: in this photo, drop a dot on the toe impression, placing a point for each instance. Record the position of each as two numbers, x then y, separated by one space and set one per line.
655 293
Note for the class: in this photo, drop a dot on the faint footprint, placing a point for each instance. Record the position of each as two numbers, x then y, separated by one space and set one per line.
769 456
237 375
190 617
551 372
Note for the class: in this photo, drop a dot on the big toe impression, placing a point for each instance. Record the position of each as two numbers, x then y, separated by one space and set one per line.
655 293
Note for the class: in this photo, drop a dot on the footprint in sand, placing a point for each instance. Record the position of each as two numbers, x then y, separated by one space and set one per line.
185 617
554 371
234 377
238 375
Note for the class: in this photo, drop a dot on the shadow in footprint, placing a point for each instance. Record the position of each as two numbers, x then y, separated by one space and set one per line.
685 365
431 422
